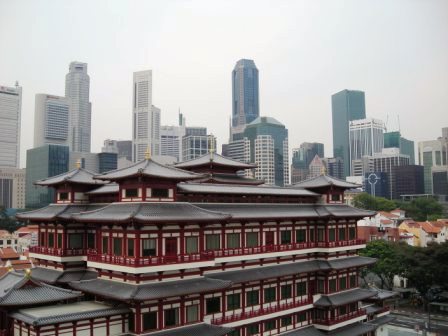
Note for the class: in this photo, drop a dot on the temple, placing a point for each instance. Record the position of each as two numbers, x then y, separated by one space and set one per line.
195 249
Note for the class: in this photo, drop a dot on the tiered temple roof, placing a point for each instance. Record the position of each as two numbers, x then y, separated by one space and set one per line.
325 181
214 159
75 176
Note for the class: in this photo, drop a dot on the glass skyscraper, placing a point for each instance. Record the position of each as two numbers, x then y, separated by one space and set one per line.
395 140
245 102
347 105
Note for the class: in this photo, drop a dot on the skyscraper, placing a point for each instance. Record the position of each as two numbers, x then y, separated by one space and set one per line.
197 142
146 117
77 87
10 113
302 157
347 105
395 140
245 101
51 120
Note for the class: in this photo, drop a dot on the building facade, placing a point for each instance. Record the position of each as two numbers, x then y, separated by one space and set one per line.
346 105
395 140
171 141
186 258
12 188
407 180
245 91
146 117
301 159
77 90
123 148
197 142
334 167
51 120
10 117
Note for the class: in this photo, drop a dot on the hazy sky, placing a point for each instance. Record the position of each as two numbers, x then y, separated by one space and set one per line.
394 50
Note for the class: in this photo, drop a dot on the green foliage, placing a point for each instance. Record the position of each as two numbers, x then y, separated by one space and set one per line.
6 222
421 209
368 202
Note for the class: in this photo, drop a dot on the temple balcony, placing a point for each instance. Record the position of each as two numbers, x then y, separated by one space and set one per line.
58 254
340 321
342 243
263 313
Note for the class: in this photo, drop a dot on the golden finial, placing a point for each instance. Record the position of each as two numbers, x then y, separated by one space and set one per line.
147 153
78 164
28 273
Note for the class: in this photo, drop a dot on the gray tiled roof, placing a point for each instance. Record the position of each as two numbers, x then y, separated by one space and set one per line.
276 210
339 299
156 212
343 263
200 329
149 291
229 179
355 329
54 276
70 276
382 294
78 175
21 315
57 211
210 188
325 181
382 320
149 168
18 290
46 275
110 188
215 159
307 331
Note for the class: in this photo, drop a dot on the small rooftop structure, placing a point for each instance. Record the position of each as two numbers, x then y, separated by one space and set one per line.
214 159
75 176
323 181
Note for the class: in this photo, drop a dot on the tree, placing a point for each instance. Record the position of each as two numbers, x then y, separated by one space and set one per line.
6 222
368 202
421 209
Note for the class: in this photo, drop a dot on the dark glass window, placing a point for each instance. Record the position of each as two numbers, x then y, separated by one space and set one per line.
342 310
191 245
149 321
91 240
320 286
117 246
320 235
253 329
233 240
351 233
252 298
75 240
285 237
332 285
50 240
105 244
342 234
269 325
301 288
233 301
269 294
332 235
212 241
301 236
192 313
342 283
59 240
286 321
160 193
286 291
213 305
63 196
131 247
312 235
171 317
252 239
353 280
131 192
149 247
301 317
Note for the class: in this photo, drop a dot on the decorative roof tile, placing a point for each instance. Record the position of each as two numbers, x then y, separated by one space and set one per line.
339 299
57 211
149 168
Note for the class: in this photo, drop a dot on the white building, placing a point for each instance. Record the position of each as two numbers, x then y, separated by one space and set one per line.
264 159
12 188
171 141
77 84
10 114
146 117
366 137
51 120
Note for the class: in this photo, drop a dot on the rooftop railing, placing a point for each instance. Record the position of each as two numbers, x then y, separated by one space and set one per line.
58 252
339 319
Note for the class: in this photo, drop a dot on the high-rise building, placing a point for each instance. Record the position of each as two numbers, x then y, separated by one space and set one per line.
146 117
408 180
10 116
77 87
12 188
334 167
245 100
43 162
366 138
196 143
431 154
377 184
316 167
440 180
301 159
171 141
51 120
268 139
123 148
347 105
395 140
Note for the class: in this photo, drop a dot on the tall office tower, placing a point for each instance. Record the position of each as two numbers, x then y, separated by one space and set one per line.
51 120
245 100
146 117
171 141
123 148
408 180
77 87
366 138
316 167
347 105
395 140
432 155
196 143
10 111
301 159
12 188
362 166
268 139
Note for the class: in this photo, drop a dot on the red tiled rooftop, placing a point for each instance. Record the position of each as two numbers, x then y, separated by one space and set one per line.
429 228
8 253
388 214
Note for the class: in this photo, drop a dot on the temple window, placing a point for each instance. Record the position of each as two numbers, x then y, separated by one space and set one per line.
59 240
343 283
301 317
212 242
192 313
63 196
301 288
233 240
335 197
252 297
312 235
105 245
342 310
351 233
301 236
233 301
129 193
90 240
332 234
213 305
332 285
269 325
285 237
51 239
75 241
130 251
269 294
149 320
252 239
253 329
286 292
42 239
320 286
160 193
286 321
341 233
171 317
353 307
117 246
149 247
352 280
320 235
191 245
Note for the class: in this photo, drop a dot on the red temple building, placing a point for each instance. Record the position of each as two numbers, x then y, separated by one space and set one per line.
194 249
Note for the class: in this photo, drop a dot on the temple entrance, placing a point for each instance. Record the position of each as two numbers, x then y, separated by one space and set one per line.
269 238
170 247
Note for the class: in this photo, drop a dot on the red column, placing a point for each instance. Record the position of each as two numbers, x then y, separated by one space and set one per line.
182 240
243 297
160 315
109 242
223 237
107 325
223 303
137 252
243 235
201 239
182 311
138 319
91 327
159 242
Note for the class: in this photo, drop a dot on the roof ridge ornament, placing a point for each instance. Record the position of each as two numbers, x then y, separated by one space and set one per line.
147 153
212 147
78 164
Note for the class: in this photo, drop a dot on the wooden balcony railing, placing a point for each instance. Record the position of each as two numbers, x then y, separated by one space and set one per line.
341 243
148 261
58 251
260 312
230 252
339 319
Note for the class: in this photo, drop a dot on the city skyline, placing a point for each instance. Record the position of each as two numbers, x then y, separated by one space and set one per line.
294 82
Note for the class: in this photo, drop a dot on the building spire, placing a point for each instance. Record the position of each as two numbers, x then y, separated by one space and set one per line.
147 153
